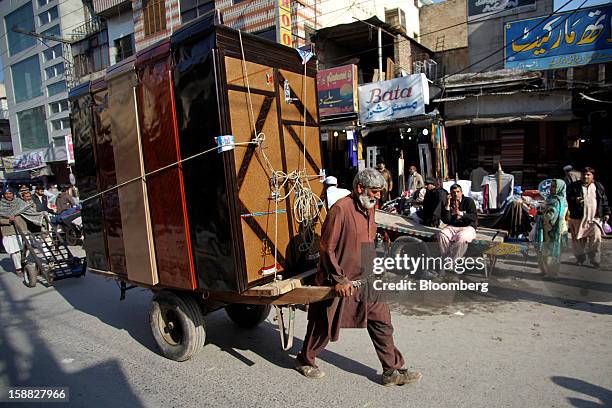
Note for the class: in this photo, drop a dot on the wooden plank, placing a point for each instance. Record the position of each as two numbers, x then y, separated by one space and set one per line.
399 223
298 296
279 287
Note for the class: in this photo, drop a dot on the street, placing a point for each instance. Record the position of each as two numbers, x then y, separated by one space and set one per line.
523 348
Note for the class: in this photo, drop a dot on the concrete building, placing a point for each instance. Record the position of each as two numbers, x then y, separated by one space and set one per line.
123 27
34 74
406 12
6 146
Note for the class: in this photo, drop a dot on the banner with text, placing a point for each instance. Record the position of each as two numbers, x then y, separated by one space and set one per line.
393 99
26 161
571 39
337 90
483 9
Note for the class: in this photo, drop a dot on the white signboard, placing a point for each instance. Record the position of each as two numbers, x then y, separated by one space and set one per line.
393 99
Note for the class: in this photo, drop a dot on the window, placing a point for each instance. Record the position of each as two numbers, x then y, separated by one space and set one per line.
53 52
33 128
54 71
93 57
267 33
53 32
42 3
60 124
238 1
27 83
57 107
48 16
124 47
192 9
22 18
154 12
56 88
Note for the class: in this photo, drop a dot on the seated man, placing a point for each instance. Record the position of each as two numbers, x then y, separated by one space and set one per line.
461 219
435 199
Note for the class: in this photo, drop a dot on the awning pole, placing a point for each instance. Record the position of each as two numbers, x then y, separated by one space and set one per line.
380 58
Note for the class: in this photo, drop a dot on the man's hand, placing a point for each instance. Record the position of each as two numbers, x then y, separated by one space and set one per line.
344 290
12 218
606 218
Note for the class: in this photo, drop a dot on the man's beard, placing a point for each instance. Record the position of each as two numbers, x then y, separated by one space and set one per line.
367 202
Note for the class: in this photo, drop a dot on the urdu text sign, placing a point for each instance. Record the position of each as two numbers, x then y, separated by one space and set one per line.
564 40
336 89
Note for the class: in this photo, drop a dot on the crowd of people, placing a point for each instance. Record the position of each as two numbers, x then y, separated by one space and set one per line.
575 207
25 208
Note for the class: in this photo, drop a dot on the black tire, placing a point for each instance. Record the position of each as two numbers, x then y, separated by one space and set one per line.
247 316
30 277
177 324
412 246
72 236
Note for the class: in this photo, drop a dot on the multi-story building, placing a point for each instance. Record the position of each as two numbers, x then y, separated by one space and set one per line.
34 74
406 12
122 27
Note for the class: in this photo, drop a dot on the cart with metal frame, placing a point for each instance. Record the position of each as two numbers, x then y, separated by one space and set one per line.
397 231
46 254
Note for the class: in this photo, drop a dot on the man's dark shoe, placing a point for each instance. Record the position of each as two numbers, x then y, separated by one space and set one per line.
595 265
400 377
309 371
580 259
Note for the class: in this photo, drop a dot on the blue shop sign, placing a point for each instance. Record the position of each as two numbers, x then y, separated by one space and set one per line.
570 39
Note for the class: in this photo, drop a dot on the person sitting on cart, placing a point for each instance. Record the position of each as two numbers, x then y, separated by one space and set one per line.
13 215
348 227
64 200
461 219
435 199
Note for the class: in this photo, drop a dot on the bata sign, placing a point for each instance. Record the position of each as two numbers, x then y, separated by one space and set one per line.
394 99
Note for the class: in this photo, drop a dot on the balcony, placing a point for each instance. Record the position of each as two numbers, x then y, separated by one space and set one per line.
107 8
90 27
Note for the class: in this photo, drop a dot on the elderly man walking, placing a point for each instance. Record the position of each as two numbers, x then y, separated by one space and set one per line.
349 225
588 209
461 218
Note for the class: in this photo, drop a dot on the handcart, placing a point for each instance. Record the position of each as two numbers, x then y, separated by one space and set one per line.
397 231
46 253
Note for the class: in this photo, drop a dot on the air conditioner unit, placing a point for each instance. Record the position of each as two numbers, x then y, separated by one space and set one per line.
396 18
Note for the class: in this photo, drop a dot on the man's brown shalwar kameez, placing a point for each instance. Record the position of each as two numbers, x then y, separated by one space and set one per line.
346 228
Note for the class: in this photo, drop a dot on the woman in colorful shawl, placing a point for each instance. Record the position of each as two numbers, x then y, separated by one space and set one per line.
551 227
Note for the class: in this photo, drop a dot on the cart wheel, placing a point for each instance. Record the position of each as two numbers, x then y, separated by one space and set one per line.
177 324
72 237
30 276
247 316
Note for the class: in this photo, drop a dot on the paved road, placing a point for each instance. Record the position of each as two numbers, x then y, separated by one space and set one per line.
529 343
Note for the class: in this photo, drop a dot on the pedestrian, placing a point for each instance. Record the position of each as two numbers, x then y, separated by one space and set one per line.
64 200
349 226
551 228
41 200
332 192
385 194
461 218
571 175
415 180
14 212
433 202
588 209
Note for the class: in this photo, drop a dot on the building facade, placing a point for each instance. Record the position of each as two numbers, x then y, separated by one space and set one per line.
34 74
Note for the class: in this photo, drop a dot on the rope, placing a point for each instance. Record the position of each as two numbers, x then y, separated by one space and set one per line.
144 176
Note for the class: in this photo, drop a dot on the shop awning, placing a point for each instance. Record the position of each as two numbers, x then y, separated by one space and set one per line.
510 119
